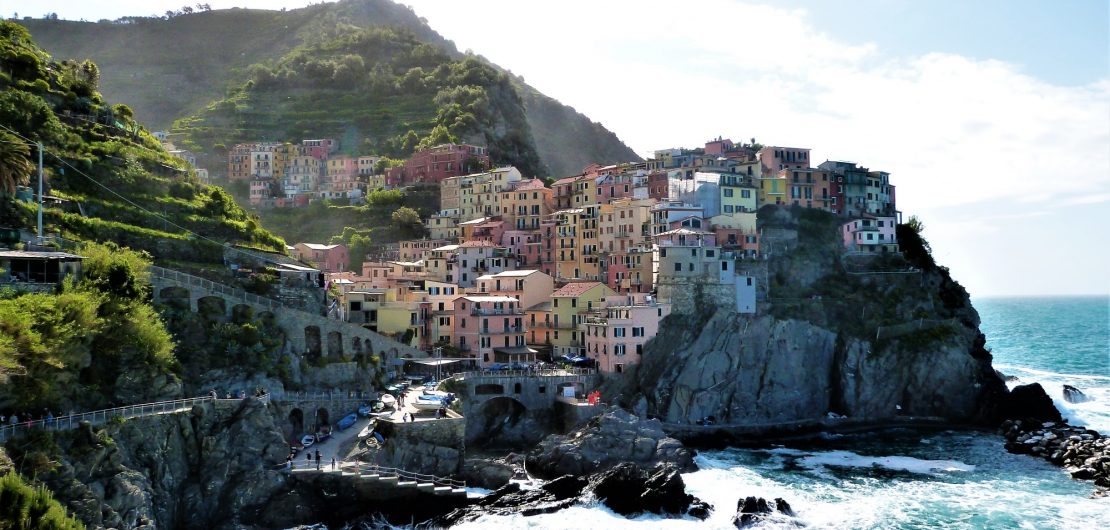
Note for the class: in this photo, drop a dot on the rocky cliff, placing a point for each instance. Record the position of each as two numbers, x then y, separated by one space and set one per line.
873 339
210 468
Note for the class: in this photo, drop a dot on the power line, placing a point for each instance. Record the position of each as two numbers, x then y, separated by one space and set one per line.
132 203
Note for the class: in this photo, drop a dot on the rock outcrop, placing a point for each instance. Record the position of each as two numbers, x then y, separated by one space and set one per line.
208 469
1030 402
754 510
1082 452
1074 395
616 436
629 489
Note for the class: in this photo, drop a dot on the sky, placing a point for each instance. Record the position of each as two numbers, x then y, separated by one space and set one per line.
992 116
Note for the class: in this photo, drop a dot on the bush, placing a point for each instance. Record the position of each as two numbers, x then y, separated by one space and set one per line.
25 507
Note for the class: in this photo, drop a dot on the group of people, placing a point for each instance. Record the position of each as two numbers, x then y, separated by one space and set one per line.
28 418
238 394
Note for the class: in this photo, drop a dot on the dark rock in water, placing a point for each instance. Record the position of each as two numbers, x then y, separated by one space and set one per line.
610 438
1006 378
629 489
1074 395
752 510
511 500
565 487
1030 402
699 510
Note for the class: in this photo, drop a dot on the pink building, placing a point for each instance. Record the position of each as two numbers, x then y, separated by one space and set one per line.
260 190
616 333
327 258
437 163
774 159
870 234
320 149
490 329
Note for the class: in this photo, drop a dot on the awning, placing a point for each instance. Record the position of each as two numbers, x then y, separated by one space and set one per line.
436 362
516 350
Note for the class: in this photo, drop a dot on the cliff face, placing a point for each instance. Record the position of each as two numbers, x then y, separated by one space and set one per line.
871 339
204 469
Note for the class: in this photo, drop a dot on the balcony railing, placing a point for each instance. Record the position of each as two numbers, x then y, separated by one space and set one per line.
491 312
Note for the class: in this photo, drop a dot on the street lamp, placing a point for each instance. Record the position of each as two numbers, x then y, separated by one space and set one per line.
438 352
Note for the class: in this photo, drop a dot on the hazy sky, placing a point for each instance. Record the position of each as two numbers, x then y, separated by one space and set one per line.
992 116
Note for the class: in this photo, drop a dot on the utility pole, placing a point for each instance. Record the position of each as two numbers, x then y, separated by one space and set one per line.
40 194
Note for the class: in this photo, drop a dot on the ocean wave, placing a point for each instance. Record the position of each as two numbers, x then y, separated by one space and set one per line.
1006 368
812 460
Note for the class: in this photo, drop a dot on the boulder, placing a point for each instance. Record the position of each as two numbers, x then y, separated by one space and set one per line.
629 489
613 437
1074 395
753 510
1030 401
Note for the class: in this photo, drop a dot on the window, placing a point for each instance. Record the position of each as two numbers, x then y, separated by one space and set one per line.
710 253
618 332
574 302
678 267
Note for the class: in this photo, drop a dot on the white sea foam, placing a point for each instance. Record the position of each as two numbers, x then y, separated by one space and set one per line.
811 460
1094 413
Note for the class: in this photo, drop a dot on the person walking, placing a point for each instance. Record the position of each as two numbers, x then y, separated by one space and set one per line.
333 463
317 460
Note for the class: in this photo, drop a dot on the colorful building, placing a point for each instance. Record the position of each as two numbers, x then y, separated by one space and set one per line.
569 306
617 331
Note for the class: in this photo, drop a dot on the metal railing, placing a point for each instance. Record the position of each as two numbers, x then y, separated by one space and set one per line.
219 288
100 417
545 372
362 469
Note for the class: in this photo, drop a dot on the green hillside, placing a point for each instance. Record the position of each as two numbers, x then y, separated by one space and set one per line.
116 181
373 89
143 62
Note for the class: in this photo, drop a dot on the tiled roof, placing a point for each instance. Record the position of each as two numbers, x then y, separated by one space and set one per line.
482 243
317 246
574 289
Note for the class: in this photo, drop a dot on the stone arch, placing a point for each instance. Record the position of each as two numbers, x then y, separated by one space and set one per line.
312 341
489 389
335 344
296 423
176 297
267 319
499 421
242 313
356 346
212 307
322 418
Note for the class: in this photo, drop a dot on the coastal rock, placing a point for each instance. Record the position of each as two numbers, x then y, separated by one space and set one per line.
211 468
754 510
487 473
510 499
1030 402
1083 453
1074 395
629 489
613 437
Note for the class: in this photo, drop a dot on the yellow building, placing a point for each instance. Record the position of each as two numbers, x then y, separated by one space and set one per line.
524 206
569 306
772 190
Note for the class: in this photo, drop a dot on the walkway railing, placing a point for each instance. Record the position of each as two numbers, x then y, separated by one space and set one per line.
547 372
219 288
100 417
326 396
363 469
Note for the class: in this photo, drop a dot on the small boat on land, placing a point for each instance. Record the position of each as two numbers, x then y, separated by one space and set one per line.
367 430
388 400
365 410
429 403
347 421
307 440
436 393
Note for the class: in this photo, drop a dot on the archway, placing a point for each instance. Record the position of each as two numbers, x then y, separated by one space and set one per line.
296 424
356 346
312 341
267 319
502 422
242 313
335 344
212 308
322 419
175 297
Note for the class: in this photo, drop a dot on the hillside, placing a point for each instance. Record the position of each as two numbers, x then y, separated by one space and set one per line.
114 181
141 62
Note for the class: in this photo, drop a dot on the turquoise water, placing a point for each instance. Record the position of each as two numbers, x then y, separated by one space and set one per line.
1054 341
907 480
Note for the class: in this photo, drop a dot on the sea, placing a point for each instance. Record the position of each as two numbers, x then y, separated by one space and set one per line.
908 479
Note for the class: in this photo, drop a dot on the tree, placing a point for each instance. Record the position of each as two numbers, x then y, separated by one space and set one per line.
439 135
409 142
15 162
407 221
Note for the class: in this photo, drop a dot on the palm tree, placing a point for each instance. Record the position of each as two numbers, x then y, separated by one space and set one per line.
15 163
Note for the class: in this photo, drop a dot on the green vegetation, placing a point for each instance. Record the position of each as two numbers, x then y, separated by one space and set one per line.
324 221
378 88
94 342
26 507
117 182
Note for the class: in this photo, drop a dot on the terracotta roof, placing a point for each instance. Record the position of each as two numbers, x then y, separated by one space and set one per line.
530 184
566 180
482 243
574 289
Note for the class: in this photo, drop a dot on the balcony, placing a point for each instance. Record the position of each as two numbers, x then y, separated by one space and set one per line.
494 312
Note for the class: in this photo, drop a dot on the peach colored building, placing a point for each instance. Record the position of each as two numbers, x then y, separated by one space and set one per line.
490 329
615 333
529 287
327 258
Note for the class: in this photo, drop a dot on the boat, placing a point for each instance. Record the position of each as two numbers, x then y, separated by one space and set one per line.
347 421
429 403
323 435
365 410
367 430
307 440
436 393
388 400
